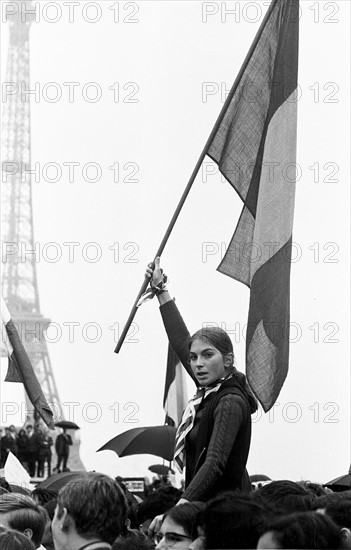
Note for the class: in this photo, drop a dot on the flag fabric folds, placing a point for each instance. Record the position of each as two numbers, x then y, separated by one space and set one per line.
20 368
255 149
176 394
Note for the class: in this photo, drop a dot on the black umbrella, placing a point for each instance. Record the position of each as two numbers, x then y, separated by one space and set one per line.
161 469
56 481
67 424
341 483
259 477
153 440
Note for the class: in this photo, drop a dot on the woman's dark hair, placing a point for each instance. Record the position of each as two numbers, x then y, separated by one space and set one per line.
14 540
185 515
305 530
216 336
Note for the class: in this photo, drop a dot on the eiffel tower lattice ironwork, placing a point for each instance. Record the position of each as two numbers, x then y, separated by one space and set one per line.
19 273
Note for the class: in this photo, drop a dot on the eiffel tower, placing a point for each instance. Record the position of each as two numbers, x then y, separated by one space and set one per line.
19 273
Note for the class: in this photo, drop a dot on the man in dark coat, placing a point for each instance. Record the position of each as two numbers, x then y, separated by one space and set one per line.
62 444
8 444
32 450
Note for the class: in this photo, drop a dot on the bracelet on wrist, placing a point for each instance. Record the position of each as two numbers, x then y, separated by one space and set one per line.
154 290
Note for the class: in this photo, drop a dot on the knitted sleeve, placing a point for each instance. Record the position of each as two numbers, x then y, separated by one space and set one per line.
228 417
177 333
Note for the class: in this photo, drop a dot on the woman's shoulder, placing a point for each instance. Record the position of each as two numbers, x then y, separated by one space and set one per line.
231 398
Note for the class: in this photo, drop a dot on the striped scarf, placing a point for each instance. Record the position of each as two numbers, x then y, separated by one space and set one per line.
188 420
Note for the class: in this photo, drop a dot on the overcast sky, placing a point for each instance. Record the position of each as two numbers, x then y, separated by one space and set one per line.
131 99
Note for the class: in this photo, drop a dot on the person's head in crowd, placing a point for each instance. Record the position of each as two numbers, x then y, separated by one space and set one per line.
22 513
303 530
332 500
4 484
42 496
90 509
47 540
230 520
284 497
340 512
338 508
316 489
132 503
132 539
19 490
13 430
50 508
178 528
14 540
156 503
29 429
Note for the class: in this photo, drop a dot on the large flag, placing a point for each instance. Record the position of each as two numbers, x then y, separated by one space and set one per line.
255 149
176 394
20 368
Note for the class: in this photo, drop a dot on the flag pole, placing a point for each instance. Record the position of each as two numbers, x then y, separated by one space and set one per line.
195 171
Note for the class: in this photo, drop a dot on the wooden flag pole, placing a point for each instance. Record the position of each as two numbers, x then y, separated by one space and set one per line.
195 172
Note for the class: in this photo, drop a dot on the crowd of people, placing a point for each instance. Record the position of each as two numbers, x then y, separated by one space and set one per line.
96 512
217 508
33 448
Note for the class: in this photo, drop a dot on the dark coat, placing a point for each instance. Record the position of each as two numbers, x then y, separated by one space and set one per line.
33 444
234 475
62 444
45 442
8 443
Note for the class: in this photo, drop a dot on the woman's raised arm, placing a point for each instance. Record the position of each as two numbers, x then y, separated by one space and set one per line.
177 332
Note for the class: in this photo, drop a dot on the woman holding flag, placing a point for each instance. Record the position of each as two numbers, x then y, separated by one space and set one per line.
213 438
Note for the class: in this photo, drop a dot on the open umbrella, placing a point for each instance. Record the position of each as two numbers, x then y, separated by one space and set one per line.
67 424
341 483
56 481
153 440
259 477
161 469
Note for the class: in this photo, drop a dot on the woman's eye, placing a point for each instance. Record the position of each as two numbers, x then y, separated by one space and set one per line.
172 538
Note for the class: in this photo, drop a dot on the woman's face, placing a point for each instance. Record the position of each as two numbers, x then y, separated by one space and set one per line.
172 535
207 363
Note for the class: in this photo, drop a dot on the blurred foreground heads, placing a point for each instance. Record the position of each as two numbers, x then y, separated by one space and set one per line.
310 530
21 512
90 513
231 520
14 540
